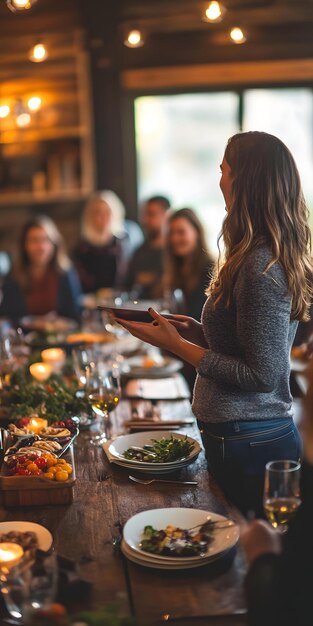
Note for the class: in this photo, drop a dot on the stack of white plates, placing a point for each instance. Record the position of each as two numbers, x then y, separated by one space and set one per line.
119 445
135 367
223 538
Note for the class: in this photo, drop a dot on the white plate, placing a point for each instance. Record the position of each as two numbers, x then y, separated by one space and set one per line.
153 471
174 561
224 539
121 444
165 566
45 538
134 368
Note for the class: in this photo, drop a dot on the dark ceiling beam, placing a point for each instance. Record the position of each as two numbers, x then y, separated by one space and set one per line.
186 19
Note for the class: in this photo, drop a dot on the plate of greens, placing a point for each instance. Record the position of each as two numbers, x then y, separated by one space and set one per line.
154 450
176 538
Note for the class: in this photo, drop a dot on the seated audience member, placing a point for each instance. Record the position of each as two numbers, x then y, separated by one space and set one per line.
146 267
107 241
188 264
42 281
280 578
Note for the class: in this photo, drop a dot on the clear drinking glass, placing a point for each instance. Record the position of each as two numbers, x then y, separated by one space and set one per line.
6 360
281 492
104 396
83 363
30 586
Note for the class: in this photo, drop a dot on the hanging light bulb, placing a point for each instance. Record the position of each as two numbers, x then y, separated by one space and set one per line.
4 111
23 119
214 12
38 53
237 35
20 5
34 103
134 39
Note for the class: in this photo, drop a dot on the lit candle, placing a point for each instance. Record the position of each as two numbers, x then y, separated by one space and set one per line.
55 357
40 371
10 554
36 424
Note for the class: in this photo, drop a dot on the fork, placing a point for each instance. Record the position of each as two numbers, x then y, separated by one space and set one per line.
142 481
102 475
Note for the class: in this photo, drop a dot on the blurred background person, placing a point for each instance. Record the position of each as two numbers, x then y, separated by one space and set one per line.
107 241
146 268
42 279
188 263
188 269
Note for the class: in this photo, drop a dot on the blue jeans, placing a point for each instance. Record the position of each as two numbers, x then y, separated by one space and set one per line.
237 453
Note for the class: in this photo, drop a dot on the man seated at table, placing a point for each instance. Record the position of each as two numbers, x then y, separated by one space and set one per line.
146 266
280 579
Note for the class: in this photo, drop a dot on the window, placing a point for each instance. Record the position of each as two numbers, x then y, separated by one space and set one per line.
180 141
287 113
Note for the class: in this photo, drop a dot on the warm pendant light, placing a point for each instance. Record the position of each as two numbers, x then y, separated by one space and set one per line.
4 110
34 103
237 35
38 53
214 12
134 39
20 5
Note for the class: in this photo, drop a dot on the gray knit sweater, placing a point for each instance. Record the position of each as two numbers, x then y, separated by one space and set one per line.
244 373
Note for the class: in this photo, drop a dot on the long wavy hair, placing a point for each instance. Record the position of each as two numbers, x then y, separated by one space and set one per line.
267 208
179 275
59 262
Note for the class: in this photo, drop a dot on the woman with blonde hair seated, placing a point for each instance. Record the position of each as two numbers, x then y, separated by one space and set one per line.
107 241
42 280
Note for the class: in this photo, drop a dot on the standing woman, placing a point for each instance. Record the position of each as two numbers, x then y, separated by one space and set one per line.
241 348
188 265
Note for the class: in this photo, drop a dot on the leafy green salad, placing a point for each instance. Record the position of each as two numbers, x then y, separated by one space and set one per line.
161 451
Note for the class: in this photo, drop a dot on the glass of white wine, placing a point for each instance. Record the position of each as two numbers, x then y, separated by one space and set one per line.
104 396
281 492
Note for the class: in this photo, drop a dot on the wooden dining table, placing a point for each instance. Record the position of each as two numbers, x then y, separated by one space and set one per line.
86 532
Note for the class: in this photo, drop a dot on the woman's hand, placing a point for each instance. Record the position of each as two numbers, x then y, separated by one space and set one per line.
259 538
189 329
160 333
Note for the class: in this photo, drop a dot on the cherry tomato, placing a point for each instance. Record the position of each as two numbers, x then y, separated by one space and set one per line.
23 421
32 468
21 471
41 463
22 460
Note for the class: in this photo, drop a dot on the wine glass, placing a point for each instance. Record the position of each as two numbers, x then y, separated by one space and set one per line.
6 360
84 361
104 396
31 585
281 492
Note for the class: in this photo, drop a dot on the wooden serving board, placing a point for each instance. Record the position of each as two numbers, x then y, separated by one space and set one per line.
36 490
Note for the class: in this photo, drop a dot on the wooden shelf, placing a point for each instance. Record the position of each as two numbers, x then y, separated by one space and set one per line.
44 134
48 197
66 114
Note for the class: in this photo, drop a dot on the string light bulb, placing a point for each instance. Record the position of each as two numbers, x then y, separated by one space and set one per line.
237 35
214 12
134 39
23 119
38 53
4 111
34 103
20 5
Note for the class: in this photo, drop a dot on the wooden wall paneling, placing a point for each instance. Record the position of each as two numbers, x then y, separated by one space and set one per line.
217 74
